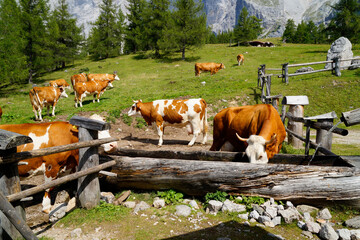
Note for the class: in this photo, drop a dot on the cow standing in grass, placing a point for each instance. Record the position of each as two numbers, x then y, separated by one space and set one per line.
208 67
240 59
190 113
103 77
41 97
95 87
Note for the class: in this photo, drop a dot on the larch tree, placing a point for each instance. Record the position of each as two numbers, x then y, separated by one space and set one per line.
187 27
248 27
134 30
105 38
13 67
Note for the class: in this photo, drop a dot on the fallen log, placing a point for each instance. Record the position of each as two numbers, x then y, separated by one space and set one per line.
279 181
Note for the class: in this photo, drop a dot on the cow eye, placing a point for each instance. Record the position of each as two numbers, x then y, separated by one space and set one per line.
49 167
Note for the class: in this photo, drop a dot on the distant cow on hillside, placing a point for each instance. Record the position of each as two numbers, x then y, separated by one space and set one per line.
261 44
240 58
208 67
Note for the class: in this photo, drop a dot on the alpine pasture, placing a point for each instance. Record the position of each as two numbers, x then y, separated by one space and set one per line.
143 77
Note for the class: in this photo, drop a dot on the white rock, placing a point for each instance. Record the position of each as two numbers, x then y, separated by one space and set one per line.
344 234
107 197
254 214
214 206
324 214
290 215
341 48
355 234
244 216
271 211
129 204
141 206
276 220
158 203
183 210
312 227
328 233
193 204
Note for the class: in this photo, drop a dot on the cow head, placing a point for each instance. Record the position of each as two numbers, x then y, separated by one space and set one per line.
135 109
116 77
222 66
255 150
62 92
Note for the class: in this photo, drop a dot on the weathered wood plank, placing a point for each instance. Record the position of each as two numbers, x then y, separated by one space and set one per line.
11 140
9 211
56 182
91 124
279 181
51 150
305 64
351 118
303 73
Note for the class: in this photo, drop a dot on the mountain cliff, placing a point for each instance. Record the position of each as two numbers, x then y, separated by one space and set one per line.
222 14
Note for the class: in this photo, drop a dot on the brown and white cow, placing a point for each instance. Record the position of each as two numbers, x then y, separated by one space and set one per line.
82 77
60 83
240 59
191 113
95 87
103 77
45 97
257 130
208 67
52 134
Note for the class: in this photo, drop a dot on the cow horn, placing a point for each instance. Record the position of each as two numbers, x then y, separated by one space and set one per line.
241 139
273 138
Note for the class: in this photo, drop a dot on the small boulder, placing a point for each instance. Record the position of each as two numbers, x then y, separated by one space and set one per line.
306 208
312 227
141 206
254 214
344 234
62 197
183 210
290 215
327 232
129 204
107 197
194 204
324 214
158 203
232 207
214 206
353 222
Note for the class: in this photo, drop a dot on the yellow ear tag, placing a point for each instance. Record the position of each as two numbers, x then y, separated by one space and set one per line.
75 127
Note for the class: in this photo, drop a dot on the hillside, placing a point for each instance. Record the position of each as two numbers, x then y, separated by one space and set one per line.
142 77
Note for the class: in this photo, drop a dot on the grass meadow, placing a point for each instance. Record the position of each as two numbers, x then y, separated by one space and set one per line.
143 77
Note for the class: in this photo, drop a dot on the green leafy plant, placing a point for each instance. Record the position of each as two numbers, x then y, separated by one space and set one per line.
171 196
249 201
140 123
126 119
218 196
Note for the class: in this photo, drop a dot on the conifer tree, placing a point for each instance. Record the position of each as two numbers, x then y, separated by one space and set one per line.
135 39
65 34
346 21
248 27
12 58
186 28
105 37
289 32
157 15
37 46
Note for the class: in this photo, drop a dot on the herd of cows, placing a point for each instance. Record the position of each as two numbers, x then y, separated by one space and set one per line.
256 130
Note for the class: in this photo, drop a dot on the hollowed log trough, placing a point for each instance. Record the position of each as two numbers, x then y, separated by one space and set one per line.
338 181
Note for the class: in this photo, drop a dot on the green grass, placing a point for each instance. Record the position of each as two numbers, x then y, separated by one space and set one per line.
145 78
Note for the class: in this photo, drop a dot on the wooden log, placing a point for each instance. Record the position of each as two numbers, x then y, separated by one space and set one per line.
312 144
333 160
279 181
296 127
10 184
306 64
88 193
15 157
91 124
337 63
11 140
19 223
59 181
351 118
323 137
303 73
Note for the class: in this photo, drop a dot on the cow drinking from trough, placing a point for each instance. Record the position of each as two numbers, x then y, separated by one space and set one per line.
240 59
45 97
191 113
52 134
257 130
208 67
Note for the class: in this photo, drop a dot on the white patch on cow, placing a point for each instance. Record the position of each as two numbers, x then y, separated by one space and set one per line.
255 150
37 171
38 140
116 77
46 204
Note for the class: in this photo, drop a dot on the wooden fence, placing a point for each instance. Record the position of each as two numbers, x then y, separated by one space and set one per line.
12 225
335 68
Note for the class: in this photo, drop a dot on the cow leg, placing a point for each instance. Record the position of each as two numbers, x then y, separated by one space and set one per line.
160 132
195 126
35 113
94 98
46 202
40 114
53 111
47 109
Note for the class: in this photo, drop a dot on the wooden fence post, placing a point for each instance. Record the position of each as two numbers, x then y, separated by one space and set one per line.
323 137
296 108
337 67
10 183
88 187
285 72
261 72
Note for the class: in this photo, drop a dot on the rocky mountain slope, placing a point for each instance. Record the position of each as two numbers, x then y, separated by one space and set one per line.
222 14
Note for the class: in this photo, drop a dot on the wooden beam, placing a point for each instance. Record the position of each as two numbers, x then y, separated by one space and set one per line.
56 182
279 181
351 118
9 211
10 140
51 150
306 64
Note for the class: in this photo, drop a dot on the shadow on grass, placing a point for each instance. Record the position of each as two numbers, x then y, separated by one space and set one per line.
257 96
227 230
164 59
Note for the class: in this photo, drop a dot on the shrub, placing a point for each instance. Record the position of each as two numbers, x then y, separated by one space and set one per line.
171 196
